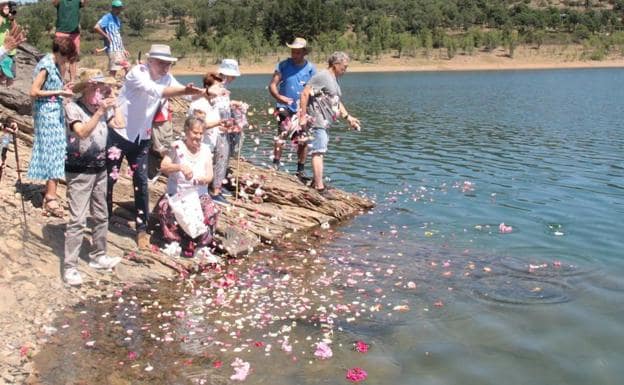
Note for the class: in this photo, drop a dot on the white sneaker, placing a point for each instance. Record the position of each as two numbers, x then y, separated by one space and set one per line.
72 277
104 262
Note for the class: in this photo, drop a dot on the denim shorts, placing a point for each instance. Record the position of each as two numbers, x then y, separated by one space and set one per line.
318 143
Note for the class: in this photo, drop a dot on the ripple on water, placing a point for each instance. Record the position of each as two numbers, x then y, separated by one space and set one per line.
552 270
522 290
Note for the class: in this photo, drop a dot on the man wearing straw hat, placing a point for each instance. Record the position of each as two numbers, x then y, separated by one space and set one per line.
145 86
286 85
88 120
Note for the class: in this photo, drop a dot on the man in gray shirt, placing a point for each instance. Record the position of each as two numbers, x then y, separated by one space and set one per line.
320 107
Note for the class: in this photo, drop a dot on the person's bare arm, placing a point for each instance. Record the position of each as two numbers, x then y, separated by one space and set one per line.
208 178
37 92
84 129
100 31
167 167
352 120
275 80
14 38
303 105
55 3
118 120
189 89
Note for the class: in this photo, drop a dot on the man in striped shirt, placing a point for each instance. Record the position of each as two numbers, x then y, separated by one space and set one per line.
109 26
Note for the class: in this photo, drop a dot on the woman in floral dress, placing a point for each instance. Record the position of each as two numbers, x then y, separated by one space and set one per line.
48 153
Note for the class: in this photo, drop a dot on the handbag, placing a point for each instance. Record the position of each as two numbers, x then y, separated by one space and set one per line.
188 212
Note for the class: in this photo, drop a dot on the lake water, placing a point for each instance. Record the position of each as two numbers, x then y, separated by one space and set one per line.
426 279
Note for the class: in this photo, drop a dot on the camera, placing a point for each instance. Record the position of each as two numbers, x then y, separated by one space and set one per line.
12 8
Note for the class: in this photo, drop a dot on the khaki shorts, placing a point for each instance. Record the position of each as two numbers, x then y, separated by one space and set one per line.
117 61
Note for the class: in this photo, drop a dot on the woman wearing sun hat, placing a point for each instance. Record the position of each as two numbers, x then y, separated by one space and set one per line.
88 119
226 140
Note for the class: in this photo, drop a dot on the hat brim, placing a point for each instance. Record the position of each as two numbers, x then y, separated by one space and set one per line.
162 57
296 46
108 80
229 73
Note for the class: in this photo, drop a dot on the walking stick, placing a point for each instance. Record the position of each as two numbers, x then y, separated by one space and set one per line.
5 148
19 177
240 146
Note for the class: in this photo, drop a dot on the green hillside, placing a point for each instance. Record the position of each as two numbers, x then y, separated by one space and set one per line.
367 28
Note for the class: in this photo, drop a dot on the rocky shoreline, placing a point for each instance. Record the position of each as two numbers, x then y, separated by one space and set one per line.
31 289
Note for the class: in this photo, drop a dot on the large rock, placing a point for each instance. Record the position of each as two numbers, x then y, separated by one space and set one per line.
16 97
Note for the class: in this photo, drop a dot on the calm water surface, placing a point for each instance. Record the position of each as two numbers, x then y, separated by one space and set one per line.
426 279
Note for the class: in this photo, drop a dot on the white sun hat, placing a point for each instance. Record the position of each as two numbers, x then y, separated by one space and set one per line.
161 52
229 67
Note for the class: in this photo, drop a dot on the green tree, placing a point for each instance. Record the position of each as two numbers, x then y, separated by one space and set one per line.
450 43
492 40
181 30
136 19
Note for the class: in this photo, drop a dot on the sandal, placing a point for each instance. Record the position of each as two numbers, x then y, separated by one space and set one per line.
55 211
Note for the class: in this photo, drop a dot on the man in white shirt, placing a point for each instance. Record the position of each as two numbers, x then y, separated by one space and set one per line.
145 85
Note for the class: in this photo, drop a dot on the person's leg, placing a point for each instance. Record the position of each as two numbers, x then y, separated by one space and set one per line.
50 189
73 67
317 170
137 161
211 212
318 148
220 161
283 120
302 152
78 195
115 151
99 213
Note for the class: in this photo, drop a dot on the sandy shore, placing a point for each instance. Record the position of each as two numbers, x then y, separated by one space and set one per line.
553 57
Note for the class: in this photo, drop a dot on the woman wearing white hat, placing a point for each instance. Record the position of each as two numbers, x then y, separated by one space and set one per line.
145 86
226 141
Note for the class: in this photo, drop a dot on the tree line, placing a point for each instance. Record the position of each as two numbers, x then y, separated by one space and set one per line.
367 28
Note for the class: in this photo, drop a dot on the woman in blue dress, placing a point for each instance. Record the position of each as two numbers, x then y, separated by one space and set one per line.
48 153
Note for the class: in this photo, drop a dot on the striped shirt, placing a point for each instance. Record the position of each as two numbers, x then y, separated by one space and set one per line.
111 24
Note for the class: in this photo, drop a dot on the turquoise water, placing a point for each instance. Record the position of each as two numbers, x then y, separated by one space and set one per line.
447 298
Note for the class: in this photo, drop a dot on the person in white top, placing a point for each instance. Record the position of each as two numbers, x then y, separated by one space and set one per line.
207 109
145 85
188 166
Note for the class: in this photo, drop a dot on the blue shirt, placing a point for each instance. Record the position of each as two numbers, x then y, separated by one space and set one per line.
111 24
294 79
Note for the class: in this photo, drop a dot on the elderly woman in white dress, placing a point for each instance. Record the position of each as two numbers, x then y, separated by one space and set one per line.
188 166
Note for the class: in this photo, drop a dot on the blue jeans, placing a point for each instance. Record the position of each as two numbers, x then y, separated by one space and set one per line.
136 154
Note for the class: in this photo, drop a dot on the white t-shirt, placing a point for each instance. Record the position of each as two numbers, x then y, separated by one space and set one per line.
211 109
198 162
139 99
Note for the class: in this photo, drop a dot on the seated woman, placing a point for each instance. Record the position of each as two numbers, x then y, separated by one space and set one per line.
188 166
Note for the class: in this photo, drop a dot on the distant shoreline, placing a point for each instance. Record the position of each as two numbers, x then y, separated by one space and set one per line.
525 58
377 68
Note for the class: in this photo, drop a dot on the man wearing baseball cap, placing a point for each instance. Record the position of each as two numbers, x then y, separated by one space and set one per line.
289 78
109 27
